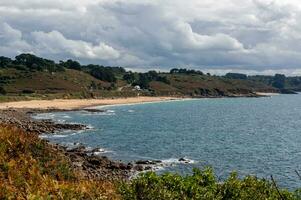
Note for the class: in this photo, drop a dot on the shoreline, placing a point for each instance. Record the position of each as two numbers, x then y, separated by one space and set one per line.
84 161
74 104
88 163
77 104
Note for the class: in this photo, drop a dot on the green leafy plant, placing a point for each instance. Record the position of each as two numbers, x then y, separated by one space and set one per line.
202 184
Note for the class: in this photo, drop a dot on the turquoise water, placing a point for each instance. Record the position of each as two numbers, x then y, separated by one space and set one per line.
258 136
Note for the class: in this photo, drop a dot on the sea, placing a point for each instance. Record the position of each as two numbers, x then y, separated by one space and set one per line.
251 136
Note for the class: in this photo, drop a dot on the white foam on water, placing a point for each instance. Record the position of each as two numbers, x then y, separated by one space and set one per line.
167 163
141 103
44 116
52 116
101 151
112 112
53 136
177 161
90 127
66 133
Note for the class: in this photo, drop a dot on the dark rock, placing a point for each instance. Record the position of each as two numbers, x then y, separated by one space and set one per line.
287 91
93 110
139 168
78 149
129 166
94 161
122 166
148 162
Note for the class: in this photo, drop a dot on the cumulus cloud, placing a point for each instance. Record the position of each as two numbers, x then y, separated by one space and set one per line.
11 40
228 34
55 43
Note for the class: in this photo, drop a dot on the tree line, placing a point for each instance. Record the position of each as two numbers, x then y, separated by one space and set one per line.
30 62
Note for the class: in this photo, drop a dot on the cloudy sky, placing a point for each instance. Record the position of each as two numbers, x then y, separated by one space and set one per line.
241 35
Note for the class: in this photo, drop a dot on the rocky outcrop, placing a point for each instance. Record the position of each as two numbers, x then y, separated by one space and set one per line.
83 160
21 119
96 167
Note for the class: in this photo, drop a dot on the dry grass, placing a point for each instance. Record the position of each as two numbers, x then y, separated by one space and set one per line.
32 169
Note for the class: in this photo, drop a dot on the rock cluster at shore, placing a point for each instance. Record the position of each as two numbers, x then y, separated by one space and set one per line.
20 118
84 161
96 167
87 162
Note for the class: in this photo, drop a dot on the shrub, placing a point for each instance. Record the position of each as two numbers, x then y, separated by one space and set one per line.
202 184
2 91
27 91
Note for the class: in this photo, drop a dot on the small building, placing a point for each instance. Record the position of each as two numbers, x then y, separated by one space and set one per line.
137 88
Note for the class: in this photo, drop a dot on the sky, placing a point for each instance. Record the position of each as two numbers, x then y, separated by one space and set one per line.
253 36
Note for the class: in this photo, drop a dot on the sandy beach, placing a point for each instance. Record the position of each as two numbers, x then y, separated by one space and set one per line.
69 104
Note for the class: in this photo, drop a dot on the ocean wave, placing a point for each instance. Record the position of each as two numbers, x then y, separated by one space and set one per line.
166 163
53 136
90 127
62 134
183 160
142 103
107 112
170 162
66 116
51 116
44 116
101 151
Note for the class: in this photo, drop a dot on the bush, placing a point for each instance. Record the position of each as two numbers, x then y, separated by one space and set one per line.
28 91
2 91
202 184
236 76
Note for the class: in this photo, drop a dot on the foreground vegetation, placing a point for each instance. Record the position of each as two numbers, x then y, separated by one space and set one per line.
203 185
32 169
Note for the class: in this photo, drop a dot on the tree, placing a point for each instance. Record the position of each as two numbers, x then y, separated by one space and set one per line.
236 76
4 61
174 71
279 81
129 77
2 91
143 81
71 64
185 71
35 63
103 74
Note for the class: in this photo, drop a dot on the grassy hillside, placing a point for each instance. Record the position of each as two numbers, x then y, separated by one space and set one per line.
30 77
45 82
70 83
279 81
204 85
